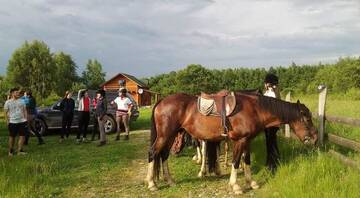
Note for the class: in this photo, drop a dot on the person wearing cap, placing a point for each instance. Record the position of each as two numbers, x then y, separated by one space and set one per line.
124 106
100 112
273 155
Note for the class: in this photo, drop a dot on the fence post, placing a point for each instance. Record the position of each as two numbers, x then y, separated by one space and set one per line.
287 127
322 102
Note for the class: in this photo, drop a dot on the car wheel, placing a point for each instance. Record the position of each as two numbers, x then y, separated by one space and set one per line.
39 126
109 124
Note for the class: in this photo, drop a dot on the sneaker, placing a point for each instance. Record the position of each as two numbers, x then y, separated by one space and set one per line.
78 141
101 143
11 153
21 152
117 138
126 137
84 140
41 142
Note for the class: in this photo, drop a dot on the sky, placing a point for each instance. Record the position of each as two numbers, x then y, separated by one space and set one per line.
149 37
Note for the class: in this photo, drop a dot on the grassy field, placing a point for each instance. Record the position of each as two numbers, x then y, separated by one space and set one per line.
118 170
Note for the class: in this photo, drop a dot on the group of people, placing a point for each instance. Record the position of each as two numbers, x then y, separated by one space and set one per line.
20 111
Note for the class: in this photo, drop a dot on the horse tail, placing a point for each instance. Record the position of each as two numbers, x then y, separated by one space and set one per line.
211 154
153 135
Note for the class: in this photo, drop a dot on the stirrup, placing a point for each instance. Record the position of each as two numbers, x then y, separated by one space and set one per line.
224 134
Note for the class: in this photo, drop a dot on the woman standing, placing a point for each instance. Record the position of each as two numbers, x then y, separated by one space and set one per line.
67 106
273 155
84 114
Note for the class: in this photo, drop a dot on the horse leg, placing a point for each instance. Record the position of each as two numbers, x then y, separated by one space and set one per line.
226 148
203 160
164 156
154 162
237 152
197 156
217 165
247 170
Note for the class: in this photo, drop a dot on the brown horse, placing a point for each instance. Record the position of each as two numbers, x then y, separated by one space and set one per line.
253 113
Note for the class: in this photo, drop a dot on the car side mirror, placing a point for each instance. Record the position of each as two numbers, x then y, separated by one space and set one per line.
57 106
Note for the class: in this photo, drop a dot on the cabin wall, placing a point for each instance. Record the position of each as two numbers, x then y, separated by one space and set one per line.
142 100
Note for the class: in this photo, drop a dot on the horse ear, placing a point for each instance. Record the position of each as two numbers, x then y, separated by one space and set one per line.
298 101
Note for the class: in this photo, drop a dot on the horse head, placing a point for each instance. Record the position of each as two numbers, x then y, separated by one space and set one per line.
303 125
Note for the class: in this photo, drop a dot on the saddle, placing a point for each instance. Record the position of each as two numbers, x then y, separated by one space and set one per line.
220 104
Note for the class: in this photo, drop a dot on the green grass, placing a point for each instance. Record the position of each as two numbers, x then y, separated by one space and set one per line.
118 170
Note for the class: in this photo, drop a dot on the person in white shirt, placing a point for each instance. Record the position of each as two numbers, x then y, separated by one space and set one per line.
124 106
16 119
273 154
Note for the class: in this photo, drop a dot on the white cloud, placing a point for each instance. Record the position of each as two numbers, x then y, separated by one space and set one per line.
153 36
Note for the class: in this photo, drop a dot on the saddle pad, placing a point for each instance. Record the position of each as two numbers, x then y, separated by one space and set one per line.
206 106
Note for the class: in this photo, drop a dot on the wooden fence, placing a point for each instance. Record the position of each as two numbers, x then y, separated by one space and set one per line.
330 137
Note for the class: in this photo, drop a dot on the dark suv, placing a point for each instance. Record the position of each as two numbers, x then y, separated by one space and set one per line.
51 117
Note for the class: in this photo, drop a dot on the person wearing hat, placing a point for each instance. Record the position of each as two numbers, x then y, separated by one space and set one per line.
124 106
273 155
100 112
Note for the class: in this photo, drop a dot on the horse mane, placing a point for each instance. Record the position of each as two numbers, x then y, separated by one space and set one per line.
286 111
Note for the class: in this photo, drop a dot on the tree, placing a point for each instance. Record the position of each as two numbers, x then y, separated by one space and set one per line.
93 76
32 66
194 79
65 69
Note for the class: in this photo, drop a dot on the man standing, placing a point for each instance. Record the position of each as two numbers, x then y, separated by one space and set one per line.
124 106
100 112
15 116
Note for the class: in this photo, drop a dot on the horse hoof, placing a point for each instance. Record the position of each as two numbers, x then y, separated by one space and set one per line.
171 183
218 173
198 162
195 158
201 174
237 190
153 188
254 185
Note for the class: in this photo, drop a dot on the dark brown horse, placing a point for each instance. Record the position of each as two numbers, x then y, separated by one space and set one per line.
253 113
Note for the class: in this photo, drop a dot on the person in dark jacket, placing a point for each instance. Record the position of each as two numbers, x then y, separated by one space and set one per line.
67 106
32 112
100 112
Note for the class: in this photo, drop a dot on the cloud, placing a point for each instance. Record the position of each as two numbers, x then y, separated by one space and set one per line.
150 37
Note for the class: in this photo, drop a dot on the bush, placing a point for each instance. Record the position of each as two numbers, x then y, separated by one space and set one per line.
51 99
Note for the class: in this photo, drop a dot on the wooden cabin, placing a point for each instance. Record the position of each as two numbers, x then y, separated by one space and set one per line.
139 90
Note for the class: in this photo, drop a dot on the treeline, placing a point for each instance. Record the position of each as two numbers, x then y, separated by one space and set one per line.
48 74
340 77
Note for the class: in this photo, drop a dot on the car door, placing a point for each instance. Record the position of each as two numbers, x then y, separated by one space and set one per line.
54 116
75 122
